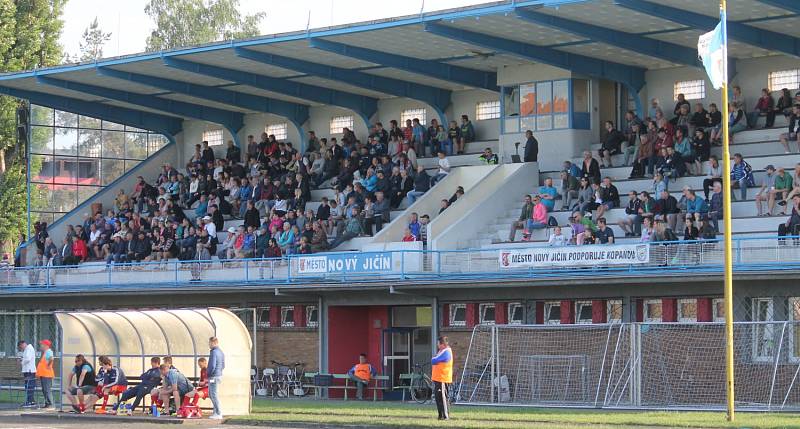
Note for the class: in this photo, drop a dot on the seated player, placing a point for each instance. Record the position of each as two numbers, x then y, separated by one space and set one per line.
155 394
111 380
201 392
81 382
175 387
150 379
361 374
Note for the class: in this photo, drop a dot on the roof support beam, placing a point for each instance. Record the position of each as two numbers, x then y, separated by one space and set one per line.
233 121
437 98
435 69
753 36
790 5
630 75
644 45
363 106
166 125
297 113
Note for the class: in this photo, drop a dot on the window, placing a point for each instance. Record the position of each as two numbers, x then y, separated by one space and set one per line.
516 313
411 114
789 79
544 105
263 318
213 137
287 316
794 333
458 315
552 313
487 110
614 310
718 305
487 314
339 122
691 89
652 310
583 312
280 131
687 310
764 333
312 316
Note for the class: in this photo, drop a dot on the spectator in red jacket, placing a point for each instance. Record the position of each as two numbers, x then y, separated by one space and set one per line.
79 249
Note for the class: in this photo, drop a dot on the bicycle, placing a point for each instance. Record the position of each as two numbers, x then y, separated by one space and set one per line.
421 388
289 379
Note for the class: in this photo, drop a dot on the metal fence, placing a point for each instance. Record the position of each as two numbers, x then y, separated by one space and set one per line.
678 258
632 365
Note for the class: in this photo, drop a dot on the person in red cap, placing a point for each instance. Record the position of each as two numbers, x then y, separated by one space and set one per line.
44 370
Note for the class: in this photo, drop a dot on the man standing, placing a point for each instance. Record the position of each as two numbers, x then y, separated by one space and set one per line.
44 370
216 363
531 147
361 374
28 365
442 376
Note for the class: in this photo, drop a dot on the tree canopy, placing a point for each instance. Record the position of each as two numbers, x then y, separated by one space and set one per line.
180 23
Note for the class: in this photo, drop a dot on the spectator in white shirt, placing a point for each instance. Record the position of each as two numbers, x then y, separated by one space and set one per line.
557 239
444 169
28 364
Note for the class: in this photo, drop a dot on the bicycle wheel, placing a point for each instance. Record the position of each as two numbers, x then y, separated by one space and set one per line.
421 389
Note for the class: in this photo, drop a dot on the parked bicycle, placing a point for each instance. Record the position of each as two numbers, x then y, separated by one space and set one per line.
421 384
289 379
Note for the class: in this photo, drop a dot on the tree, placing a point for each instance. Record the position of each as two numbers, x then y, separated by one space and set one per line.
93 40
29 32
182 23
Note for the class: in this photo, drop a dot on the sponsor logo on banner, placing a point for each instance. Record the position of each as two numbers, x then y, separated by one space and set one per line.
542 257
346 263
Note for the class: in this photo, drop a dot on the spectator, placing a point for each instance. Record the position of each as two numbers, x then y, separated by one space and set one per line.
653 109
699 118
741 175
573 169
531 147
28 367
233 153
413 224
444 169
586 196
569 190
632 143
208 153
680 102
763 107
737 120
590 168
783 107
287 239
538 219
443 205
408 236
582 227
766 192
714 174
424 220
604 234
714 121
647 229
525 213
683 146
609 196
557 238
488 158
466 134
783 185
547 194
401 185
792 225
380 213
611 144
701 150
695 206
354 227
273 250
422 184
794 129
631 224
666 209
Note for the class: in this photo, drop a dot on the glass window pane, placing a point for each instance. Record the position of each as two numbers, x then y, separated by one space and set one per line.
135 145
66 119
130 165
580 95
89 143
111 169
88 122
527 123
527 99
42 217
134 130
561 96
511 102
88 171
66 142
113 144
544 98
112 126
41 140
560 121
40 197
42 168
65 170
544 122
155 142
63 198
86 192
41 115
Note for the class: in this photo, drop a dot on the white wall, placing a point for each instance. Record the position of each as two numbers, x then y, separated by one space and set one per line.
464 103
524 73
193 134
255 123
320 122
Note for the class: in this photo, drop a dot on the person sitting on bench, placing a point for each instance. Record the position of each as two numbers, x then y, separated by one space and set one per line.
360 374
111 380
201 392
176 386
150 379
81 382
155 394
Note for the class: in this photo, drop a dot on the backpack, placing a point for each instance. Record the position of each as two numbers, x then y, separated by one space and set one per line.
637 170
551 221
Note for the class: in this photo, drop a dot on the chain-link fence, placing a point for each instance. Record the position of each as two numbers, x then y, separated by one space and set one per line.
30 327
633 365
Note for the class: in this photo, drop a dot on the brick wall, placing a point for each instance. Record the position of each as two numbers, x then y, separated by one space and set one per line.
288 346
9 368
459 343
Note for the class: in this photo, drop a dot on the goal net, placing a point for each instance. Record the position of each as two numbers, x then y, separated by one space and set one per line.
640 365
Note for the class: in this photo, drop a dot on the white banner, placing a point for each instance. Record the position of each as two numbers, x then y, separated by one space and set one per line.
575 256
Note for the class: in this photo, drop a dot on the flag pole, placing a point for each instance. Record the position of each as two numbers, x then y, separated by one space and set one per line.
726 211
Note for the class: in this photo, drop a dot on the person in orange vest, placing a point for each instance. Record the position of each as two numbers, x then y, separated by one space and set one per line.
360 374
442 376
45 372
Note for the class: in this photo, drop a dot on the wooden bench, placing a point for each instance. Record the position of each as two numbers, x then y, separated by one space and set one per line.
375 384
407 377
136 381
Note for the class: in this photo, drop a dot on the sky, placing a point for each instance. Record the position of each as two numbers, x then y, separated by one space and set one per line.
129 26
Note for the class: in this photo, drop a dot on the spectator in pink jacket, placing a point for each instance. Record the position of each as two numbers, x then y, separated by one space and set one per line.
538 219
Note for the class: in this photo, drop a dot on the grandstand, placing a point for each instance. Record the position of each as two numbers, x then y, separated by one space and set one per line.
557 68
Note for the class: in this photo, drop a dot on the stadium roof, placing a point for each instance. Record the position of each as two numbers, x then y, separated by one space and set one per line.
422 57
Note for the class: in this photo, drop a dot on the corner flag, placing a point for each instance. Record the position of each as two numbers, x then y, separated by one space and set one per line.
712 49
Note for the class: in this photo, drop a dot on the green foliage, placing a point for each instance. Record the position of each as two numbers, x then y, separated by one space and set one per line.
91 46
180 23
29 32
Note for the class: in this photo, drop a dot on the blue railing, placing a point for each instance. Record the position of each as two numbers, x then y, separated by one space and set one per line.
769 253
